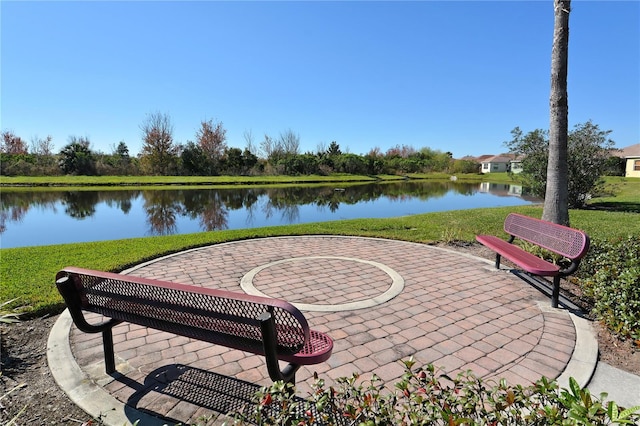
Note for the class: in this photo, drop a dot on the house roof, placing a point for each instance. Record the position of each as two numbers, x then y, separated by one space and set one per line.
491 158
630 151
497 159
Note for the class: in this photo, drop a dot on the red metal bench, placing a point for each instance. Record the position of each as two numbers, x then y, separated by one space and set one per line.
570 243
264 326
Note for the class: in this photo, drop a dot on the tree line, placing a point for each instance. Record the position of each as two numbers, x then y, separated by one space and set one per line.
210 155
590 155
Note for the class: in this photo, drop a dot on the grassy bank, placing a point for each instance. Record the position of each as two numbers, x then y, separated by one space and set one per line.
102 182
109 181
27 274
613 184
618 193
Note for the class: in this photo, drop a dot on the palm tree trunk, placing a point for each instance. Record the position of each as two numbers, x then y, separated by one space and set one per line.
556 206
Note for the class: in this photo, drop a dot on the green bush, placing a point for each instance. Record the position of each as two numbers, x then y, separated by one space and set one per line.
610 275
427 397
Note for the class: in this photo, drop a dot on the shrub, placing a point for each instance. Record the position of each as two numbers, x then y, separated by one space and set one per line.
588 150
424 396
610 275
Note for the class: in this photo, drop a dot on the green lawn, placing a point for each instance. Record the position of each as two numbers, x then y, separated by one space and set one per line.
618 193
77 181
66 182
27 274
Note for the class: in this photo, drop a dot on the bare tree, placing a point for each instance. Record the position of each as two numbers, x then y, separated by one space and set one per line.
211 137
158 150
556 205
12 143
249 141
269 147
290 142
43 147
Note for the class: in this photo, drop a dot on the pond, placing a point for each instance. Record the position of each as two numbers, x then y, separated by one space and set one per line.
37 217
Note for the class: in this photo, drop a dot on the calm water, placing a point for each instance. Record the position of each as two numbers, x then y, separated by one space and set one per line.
29 218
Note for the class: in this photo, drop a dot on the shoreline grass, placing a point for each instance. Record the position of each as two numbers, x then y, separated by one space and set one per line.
98 181
27 273
120 182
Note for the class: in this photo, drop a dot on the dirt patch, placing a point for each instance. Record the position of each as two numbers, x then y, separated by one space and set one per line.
624 355
26 382
26 372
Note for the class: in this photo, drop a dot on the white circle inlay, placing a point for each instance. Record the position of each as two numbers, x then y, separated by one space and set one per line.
396 287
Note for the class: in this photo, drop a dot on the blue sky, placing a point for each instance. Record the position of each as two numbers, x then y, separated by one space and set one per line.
453 76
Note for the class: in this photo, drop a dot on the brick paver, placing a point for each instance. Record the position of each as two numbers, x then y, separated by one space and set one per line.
455 311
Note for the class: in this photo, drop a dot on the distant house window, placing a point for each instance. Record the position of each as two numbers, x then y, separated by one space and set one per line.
485 166
636 165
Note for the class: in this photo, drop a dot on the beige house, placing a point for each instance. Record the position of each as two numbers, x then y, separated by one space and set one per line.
495 164
516 164
501 163
631 155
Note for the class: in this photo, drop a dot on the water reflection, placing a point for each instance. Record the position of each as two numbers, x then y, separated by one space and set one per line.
209 208
80 205
501 188
121 200
168 211
162 212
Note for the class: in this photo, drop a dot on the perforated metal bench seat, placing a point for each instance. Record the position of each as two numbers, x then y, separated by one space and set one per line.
269 327
569 243
527 261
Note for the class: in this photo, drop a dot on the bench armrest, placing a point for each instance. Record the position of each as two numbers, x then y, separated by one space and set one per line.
67 289
569 270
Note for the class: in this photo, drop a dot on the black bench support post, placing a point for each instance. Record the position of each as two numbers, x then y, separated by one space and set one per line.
74 304
107 347
555 295
498 256
270 343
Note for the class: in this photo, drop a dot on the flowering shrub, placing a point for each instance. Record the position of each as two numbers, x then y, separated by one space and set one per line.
424 396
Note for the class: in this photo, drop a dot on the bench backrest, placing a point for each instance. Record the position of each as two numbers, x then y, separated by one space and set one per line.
568 242
216 316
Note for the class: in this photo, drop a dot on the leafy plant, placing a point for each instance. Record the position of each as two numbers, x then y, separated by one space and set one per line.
585 409
425 396
545 254
610 275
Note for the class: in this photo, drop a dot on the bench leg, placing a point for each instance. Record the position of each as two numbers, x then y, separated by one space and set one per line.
269 342
555 295
498 257
107 347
